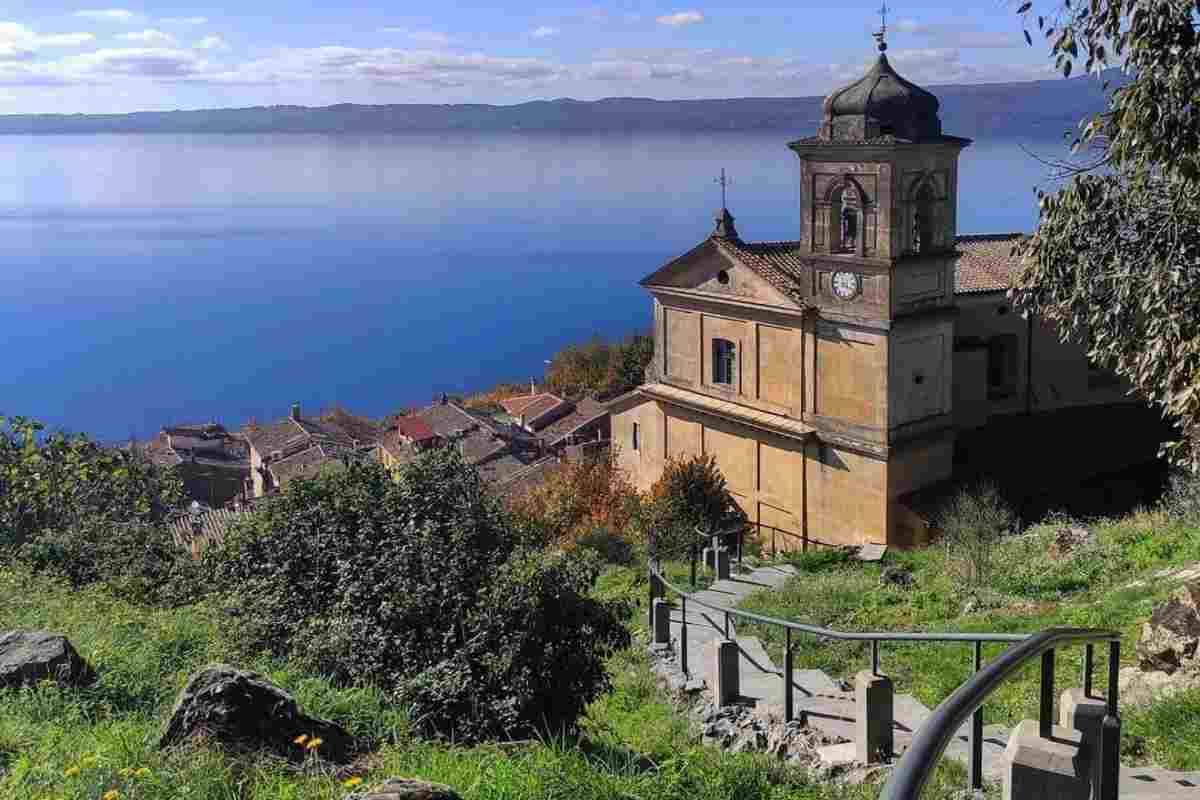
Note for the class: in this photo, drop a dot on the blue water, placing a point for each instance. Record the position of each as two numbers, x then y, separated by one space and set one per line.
156 279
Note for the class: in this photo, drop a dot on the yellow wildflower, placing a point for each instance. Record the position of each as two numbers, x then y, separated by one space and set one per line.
125 773
350 783
313 743
111 794
142 772
70 772
301 739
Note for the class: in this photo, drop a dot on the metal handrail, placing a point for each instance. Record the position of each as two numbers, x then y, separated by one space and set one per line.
818 630
932 738
935 734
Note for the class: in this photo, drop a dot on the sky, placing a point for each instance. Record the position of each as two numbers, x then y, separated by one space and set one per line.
58 56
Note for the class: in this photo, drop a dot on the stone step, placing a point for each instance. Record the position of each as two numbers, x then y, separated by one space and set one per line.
1155 782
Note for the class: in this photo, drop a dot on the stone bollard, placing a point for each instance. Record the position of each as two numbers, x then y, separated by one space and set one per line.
662 621
710 558
873 718
1057 768
1086 715
722 557
726 686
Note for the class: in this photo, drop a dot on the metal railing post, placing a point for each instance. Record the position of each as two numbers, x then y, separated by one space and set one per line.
683 650
1110 731
651 580
975 768
1046 699
693 554
788 705
726 624
1089 655
874 656
741 540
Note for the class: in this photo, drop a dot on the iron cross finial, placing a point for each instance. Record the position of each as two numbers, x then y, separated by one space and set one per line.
724 183
881 35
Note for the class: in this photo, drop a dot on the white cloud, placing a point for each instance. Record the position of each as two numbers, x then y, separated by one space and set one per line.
150 37
681 18
19 43
543 32
147 62
434 38
184 20
109 14
211 43
947 35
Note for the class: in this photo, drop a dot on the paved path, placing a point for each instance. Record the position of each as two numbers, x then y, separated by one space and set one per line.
831 709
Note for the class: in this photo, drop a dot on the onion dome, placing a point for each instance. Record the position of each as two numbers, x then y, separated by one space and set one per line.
880 104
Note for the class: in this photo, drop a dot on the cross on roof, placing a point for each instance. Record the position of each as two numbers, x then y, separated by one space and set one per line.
724 183
881 34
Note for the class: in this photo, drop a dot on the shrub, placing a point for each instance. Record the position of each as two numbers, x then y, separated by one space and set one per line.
1182 499
689 495
971 525
577 499
409 584
90 514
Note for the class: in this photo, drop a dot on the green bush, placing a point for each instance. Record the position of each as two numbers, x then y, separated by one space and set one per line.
691 495
971 524
419 586
90 514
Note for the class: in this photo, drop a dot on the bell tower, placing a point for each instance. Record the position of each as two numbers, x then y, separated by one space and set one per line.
878 195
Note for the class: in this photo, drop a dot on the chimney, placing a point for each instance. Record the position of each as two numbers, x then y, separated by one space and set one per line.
522 420
532 388
295 411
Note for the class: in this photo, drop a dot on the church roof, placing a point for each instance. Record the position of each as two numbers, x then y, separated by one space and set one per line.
985 263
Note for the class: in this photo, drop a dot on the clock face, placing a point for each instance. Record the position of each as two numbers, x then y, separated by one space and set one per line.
845 284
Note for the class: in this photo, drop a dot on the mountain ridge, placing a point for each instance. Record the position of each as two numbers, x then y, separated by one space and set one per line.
967 110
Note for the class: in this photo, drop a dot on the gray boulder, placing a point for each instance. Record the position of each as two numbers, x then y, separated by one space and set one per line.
893 575
244 710
27 657
1170 638
407 789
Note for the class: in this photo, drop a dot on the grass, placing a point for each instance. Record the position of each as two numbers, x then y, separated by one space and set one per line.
84 743
1029 589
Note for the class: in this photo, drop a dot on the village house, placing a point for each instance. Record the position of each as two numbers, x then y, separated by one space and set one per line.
296 446
212 463
832 376
559 423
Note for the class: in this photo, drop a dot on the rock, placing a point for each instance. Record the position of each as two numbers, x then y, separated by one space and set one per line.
27 657
1069 539
245 710
901 577
1137 688
1170 638
406 789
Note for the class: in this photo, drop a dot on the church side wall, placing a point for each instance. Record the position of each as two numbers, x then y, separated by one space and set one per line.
846 496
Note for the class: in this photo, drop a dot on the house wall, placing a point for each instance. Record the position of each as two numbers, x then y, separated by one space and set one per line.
769 369
1062 377
256 473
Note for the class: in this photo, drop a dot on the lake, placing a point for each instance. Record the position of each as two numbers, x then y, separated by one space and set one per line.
156 279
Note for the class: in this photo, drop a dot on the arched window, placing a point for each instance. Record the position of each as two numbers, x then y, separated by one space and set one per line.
844 221
922 230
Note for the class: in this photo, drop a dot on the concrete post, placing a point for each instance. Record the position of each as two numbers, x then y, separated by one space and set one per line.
722 557
710 558
662 621
1086 715
1057 768
727 687
873 717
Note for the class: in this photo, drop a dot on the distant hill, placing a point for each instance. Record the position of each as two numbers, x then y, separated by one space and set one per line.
1037 108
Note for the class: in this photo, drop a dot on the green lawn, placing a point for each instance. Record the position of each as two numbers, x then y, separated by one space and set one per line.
1028 590
85 743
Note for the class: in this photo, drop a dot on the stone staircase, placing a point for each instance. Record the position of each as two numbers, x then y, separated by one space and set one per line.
829 705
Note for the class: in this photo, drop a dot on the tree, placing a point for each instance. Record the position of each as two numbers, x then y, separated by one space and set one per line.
690 496
1115 260
628 368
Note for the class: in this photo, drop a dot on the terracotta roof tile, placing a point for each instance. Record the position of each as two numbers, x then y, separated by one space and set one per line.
584 412
985 262
415 428
780 263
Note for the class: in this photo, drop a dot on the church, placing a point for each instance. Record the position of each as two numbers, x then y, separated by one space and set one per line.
831 376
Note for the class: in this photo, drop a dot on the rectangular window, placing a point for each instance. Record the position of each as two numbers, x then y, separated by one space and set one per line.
1002 366
724 355
637 435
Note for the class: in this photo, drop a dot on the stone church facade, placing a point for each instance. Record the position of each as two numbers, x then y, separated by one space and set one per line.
829 376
